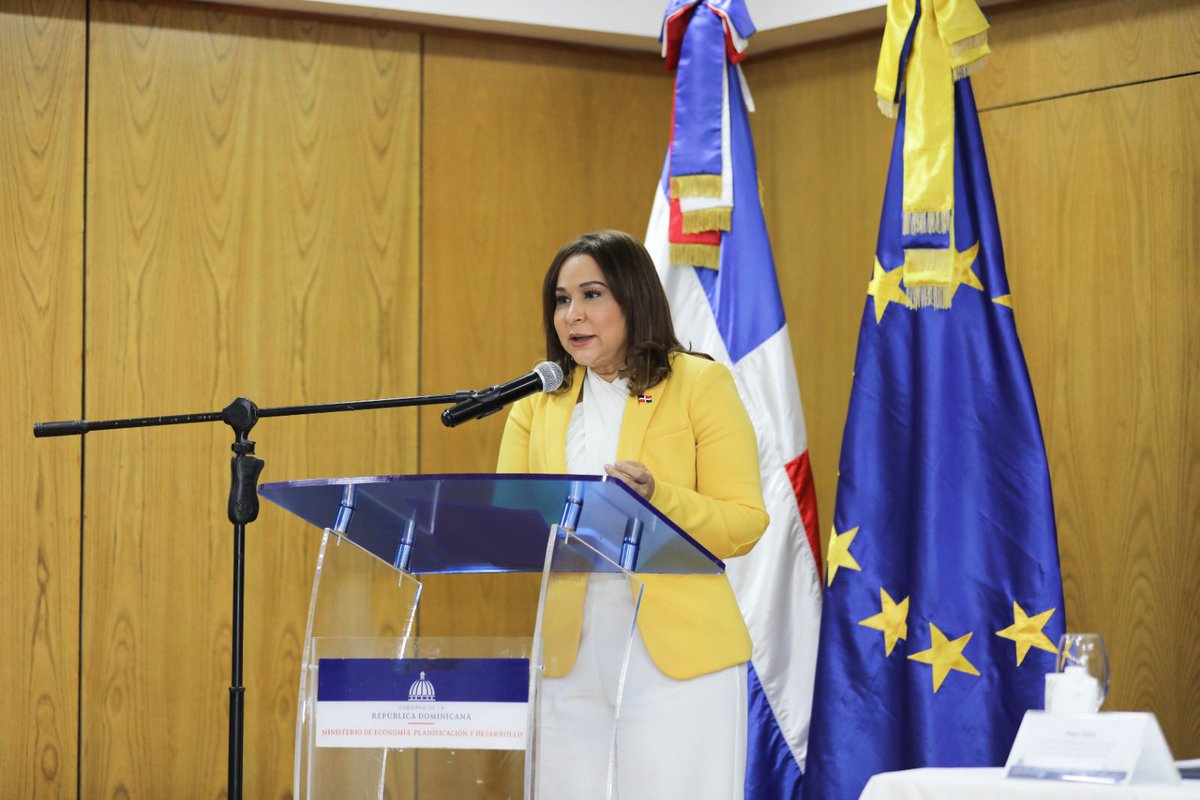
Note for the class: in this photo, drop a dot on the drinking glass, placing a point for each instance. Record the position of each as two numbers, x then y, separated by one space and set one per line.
1083 654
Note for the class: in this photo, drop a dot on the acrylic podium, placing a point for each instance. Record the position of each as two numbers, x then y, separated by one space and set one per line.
383 711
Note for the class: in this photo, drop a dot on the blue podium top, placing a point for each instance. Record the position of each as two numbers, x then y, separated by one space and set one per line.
491 523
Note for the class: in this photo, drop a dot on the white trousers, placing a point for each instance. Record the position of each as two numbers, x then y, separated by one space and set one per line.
675 739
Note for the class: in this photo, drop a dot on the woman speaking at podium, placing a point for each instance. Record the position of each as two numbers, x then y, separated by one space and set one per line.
668 423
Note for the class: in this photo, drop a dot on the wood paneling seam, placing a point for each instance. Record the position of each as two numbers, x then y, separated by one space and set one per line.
420 241
83 335
1093 90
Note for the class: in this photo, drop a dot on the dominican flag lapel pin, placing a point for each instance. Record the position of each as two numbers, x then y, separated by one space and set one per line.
645 398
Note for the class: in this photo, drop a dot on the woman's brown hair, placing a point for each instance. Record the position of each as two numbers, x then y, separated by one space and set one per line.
631 277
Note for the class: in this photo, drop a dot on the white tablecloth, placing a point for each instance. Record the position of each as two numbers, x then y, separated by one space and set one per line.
990 784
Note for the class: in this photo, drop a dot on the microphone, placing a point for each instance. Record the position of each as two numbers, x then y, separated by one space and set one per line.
546 377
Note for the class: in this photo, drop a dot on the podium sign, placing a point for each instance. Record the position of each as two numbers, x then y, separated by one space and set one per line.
385 711
438 703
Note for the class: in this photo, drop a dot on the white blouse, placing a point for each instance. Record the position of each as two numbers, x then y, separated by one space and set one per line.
595 425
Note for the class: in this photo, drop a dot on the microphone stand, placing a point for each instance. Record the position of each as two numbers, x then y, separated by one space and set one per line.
241 415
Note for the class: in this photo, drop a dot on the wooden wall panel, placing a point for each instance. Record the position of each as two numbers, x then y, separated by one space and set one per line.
526 146
1102 256
1054 48
42 49
252 229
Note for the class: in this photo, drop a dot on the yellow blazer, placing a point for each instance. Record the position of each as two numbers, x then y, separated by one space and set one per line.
696 439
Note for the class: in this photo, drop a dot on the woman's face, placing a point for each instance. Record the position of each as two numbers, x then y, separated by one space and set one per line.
589 322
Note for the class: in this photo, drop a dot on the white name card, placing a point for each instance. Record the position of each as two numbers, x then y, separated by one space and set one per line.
1109 748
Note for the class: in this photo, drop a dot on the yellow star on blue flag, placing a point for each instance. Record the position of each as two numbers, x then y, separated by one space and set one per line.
945 655
1028 632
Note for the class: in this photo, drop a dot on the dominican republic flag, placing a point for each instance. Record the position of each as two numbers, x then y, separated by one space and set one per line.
731 309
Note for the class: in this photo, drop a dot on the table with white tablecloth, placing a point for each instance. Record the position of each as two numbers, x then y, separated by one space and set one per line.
990 784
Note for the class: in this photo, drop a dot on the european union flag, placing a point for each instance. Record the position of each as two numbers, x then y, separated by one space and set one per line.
944 596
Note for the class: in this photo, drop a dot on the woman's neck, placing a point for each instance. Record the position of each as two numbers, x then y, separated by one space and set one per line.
607 373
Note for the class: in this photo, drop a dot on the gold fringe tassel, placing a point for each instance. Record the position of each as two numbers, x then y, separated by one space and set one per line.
887 107
918 222
938 297
719 218
696 186
968 44
696 255
970 68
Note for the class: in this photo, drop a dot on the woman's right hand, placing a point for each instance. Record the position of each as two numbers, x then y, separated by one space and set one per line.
633 474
